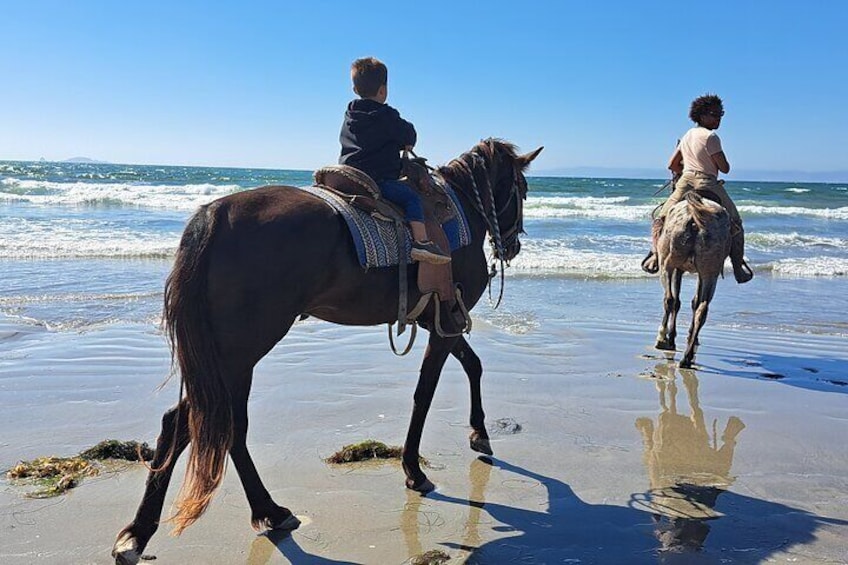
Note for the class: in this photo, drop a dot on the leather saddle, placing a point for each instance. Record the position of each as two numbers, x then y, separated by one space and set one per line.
360 190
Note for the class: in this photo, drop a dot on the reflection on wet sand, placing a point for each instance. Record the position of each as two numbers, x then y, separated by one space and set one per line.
515 515
418 514
267 544
686 467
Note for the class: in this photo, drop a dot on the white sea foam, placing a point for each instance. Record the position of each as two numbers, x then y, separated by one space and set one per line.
585 207
797 190
811 267
171 197
828 213
767 240
547 257
75 238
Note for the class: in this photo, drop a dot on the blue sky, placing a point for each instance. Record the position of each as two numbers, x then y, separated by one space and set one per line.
600 84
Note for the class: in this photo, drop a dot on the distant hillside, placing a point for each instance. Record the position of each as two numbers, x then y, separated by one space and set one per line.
85 160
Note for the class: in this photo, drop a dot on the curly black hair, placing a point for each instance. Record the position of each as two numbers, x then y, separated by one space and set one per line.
703 104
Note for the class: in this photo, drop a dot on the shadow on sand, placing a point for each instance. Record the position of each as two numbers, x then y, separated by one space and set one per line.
265 545
686 516
812 373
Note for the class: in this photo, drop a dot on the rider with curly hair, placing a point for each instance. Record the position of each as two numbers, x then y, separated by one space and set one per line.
695 164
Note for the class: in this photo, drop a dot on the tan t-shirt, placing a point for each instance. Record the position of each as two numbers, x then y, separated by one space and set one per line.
697 146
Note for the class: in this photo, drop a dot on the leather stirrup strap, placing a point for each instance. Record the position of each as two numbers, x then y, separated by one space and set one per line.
402 285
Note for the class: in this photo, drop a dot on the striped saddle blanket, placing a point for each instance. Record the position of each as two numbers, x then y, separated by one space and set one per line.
376 239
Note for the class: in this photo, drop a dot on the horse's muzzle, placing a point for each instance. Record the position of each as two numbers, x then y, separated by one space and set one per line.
511 251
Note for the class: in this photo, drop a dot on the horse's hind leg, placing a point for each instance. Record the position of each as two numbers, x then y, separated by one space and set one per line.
437 353
172 441
667 333
706 290
470 362
265 514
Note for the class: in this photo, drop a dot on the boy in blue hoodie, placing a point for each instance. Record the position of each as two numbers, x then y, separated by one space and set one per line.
372 137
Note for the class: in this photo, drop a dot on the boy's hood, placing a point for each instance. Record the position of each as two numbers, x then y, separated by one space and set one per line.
363 113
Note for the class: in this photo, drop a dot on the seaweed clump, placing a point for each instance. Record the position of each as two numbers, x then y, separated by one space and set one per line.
363 451
55 475
52 475
115 449
432 557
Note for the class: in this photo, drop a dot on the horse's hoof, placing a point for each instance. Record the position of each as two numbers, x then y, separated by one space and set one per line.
424 486
126 550
664 345
685 364
480 444
290 523
277 520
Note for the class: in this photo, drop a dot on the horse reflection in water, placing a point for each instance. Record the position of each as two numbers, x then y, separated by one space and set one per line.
419 515
686 467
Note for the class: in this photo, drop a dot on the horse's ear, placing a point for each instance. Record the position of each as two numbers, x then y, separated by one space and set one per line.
524 160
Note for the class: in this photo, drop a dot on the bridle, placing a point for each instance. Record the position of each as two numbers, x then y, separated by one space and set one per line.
504 241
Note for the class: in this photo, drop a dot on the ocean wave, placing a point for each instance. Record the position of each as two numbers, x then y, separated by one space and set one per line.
546 257
557 258
793 239
827 213
810 267
16 301
185 197
77 239
585 207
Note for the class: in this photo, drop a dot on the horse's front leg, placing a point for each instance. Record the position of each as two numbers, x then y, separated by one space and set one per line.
172 441
265 514
435 356
479 438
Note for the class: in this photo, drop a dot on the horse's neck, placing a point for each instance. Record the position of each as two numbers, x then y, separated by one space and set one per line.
476 222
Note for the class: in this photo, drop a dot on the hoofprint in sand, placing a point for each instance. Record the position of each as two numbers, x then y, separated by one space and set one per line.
617 454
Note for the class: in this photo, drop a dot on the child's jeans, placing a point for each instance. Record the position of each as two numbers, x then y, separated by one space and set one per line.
398 192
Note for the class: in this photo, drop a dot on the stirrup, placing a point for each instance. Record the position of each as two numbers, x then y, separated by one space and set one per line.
650 264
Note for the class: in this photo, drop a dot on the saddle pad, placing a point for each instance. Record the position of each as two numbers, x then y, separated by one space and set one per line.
376 240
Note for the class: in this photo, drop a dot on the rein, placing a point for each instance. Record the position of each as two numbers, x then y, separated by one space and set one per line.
499 242
491 218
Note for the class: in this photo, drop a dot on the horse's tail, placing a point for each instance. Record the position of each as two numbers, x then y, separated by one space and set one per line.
699 211
195 353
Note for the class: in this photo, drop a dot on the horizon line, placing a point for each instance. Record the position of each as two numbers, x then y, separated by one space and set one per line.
622 173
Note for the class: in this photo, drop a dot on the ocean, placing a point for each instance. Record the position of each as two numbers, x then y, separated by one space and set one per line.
568 356
83 245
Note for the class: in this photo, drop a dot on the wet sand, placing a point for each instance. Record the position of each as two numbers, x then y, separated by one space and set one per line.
620 457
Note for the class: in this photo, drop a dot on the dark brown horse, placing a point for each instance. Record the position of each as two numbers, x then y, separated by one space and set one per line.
695 239
247 267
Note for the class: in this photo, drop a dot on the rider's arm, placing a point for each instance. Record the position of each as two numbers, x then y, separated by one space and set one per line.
675 164
720 159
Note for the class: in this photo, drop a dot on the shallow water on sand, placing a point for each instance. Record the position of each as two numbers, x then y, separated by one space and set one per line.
619 455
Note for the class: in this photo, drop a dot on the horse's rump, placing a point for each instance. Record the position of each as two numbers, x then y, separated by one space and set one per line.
696 234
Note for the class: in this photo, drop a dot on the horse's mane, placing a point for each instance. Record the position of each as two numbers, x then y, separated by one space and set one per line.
485 149
480 165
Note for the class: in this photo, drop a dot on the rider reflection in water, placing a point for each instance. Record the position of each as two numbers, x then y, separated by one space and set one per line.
687 469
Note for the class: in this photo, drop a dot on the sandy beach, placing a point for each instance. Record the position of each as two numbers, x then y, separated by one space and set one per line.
620 457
